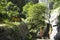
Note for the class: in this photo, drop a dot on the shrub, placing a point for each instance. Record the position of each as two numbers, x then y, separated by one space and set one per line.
35 17
26 8
7 9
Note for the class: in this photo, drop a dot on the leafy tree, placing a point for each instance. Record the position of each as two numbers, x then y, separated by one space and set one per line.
8 9
34 16
26 8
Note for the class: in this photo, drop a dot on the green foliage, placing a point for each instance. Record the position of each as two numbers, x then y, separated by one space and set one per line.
12 30
19 3
36 11
12 10
26 8
55 0
56 3
8 9
34 16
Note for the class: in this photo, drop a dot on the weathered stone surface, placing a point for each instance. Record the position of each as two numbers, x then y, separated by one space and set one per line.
15 33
